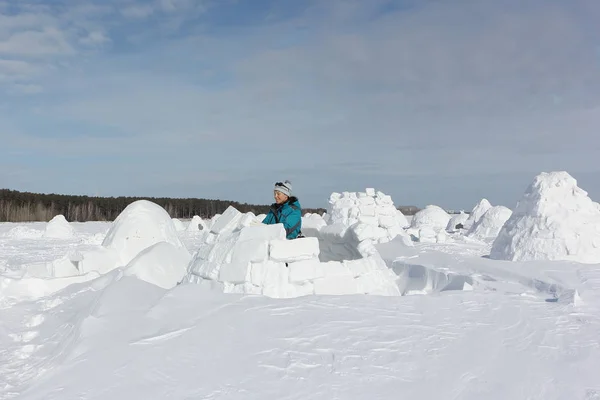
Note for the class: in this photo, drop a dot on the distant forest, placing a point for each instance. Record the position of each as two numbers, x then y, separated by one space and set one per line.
18 206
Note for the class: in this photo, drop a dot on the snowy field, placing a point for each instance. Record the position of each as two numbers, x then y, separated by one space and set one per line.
371 305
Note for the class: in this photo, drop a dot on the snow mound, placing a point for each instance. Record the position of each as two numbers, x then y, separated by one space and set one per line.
490 224
257 259
554 220
140 225
24 232
477 212
161 264
178 225
59 228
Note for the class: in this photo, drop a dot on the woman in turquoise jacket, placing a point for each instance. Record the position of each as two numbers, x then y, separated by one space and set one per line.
286 210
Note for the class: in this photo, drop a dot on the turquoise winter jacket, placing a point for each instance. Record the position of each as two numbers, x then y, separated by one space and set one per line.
289 214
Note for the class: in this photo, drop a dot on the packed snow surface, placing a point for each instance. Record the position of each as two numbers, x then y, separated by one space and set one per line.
475 326
554 220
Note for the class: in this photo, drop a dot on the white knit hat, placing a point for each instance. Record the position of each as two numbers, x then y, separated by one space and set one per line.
284 187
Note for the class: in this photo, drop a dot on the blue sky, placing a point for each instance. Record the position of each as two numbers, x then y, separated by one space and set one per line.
432 102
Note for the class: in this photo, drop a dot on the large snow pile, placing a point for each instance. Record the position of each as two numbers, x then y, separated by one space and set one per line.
477 212
554 220
257 259
140 225
356 221
490 223
59 228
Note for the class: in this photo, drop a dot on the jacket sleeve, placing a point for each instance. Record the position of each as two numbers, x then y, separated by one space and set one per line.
292 221
269 219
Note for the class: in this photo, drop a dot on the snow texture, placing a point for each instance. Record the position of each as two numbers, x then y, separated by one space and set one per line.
490 223
140 225
554 220
59 228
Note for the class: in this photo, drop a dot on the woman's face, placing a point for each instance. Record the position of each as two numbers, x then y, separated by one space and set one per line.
280 197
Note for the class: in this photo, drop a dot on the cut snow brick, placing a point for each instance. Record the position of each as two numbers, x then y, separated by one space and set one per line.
370 192
256 250
238 272
228 221
308 270
294 250
263 232
367 211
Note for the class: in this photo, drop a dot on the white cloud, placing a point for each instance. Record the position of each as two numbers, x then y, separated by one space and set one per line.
137 11
95 38
49 41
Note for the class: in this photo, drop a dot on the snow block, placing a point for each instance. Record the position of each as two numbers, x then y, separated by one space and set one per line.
256 250
262 232
228 221
236 272
307 270
294 250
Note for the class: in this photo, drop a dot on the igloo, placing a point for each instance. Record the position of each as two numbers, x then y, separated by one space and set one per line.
456 220
477 212
431 216
355 222
490 223
257 259
59 228
554 220
140 225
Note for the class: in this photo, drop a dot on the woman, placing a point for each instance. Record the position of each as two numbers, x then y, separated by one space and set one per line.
286 210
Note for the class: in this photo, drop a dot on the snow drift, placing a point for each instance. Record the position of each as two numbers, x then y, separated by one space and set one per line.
554 220
257 259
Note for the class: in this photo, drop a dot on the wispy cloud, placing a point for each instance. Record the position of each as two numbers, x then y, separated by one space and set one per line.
410 88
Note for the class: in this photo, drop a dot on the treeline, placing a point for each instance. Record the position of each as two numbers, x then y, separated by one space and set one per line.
18 206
